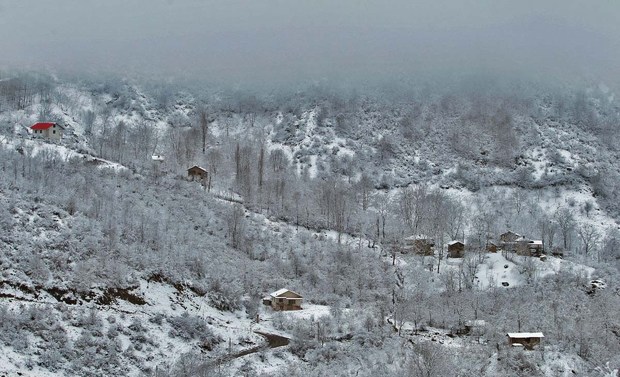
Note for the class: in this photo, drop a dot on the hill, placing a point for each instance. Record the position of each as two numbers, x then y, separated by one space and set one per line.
112 263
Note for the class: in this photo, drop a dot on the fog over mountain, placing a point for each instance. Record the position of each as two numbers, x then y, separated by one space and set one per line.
261 41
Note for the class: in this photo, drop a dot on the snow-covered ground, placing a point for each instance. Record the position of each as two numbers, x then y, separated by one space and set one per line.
56 150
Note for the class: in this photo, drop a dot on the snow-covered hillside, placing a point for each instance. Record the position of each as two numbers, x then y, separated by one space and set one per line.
113 263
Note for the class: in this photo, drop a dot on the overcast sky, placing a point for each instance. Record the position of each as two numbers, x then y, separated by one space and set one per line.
263 40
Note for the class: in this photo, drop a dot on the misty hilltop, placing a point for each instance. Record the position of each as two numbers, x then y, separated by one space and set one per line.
261 43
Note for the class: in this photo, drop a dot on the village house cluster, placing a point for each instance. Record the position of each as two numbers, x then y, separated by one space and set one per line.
508 242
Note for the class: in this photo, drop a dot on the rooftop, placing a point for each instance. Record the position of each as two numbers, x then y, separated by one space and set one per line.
197 167
521 335
418 237
476 323
42 126
282 291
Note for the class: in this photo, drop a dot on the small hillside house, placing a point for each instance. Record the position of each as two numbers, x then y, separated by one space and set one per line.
47 130
196 173
508 240
491 247
526 340
284 299
535 248
529 248
509 236
420 244
475 327
456 249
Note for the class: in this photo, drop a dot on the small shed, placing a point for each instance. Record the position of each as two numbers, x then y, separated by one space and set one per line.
475 327
284 299
47 130
529 248
509 240
420 244
491 247
536 248
526 339
509 236
196 173
456 249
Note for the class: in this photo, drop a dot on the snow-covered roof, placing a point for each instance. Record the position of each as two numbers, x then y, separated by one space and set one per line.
521 335
454 243
282 291
536 242
197 167
476 323
157 157
418 237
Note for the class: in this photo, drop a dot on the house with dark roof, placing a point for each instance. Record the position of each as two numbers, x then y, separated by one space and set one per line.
197 173
456 249
47 130
530 248
419 244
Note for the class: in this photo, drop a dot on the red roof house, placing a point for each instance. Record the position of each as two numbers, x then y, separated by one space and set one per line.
47 130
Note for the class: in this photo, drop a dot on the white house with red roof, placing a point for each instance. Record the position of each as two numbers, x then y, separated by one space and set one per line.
47 130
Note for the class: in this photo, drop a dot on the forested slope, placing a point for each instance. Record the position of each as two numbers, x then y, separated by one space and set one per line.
115 264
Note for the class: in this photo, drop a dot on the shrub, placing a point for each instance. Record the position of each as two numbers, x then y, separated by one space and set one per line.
192 327
224 301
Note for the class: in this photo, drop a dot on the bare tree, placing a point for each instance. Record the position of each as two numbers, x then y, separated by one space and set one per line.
589 236
382 202
430 361
566 222
214 159
364 189
236 225
204 129
278 160
611 246
414 206
470 269
88 119
261 172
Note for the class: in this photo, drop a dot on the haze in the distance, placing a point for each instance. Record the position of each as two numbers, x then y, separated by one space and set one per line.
278 40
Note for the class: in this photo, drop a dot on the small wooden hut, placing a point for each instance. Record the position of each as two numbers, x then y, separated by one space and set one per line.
419 244
527 340
456 249
529 248
491 247
196 173
509 240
